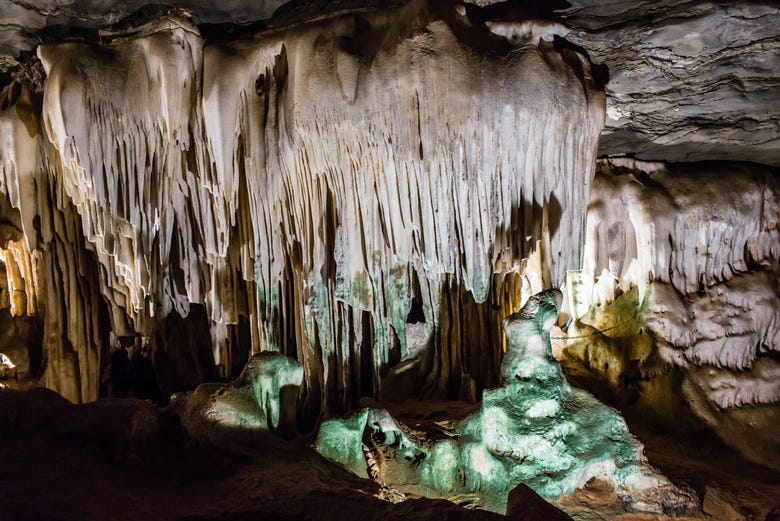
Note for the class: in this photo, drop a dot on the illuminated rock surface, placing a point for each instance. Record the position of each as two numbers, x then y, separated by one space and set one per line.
690 80
686 308
262 399
362 192
310 181
8 369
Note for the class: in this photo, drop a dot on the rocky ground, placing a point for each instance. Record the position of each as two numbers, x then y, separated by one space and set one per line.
126 460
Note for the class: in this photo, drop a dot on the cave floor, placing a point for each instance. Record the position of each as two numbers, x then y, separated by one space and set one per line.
730 486
66 462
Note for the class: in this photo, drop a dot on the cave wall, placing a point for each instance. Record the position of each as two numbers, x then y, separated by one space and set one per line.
690 80
191 196
677 308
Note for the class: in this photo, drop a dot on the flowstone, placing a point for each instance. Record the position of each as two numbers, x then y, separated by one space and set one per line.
676 312
533 429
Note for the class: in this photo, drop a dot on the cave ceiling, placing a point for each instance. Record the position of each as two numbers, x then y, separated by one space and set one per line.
687 81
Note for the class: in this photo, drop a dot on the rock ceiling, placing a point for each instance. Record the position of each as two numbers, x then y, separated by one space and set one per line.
688 80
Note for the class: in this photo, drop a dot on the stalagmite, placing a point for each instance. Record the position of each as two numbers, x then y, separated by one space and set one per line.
262 399
534 429
426 234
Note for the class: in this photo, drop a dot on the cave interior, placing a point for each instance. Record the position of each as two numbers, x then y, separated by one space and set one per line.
372 259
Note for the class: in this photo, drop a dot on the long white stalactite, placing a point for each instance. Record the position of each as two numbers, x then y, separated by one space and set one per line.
315 180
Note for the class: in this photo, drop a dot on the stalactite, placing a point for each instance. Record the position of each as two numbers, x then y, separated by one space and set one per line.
706 247
399 173
307 181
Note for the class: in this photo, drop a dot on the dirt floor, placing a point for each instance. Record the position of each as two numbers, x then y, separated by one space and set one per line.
128 460
124 461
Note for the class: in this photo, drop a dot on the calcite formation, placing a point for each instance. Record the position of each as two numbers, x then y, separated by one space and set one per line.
534 429
339 202
263 399
305 187
678 302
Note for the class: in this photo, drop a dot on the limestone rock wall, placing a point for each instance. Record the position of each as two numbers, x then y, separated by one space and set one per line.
679 298
689 80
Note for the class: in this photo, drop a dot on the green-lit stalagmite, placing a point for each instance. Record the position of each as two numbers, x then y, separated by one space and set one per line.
534 429
262 399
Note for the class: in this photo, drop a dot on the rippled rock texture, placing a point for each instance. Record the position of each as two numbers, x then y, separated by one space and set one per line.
688 81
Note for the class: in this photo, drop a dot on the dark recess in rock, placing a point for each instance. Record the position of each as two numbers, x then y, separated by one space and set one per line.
183 357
